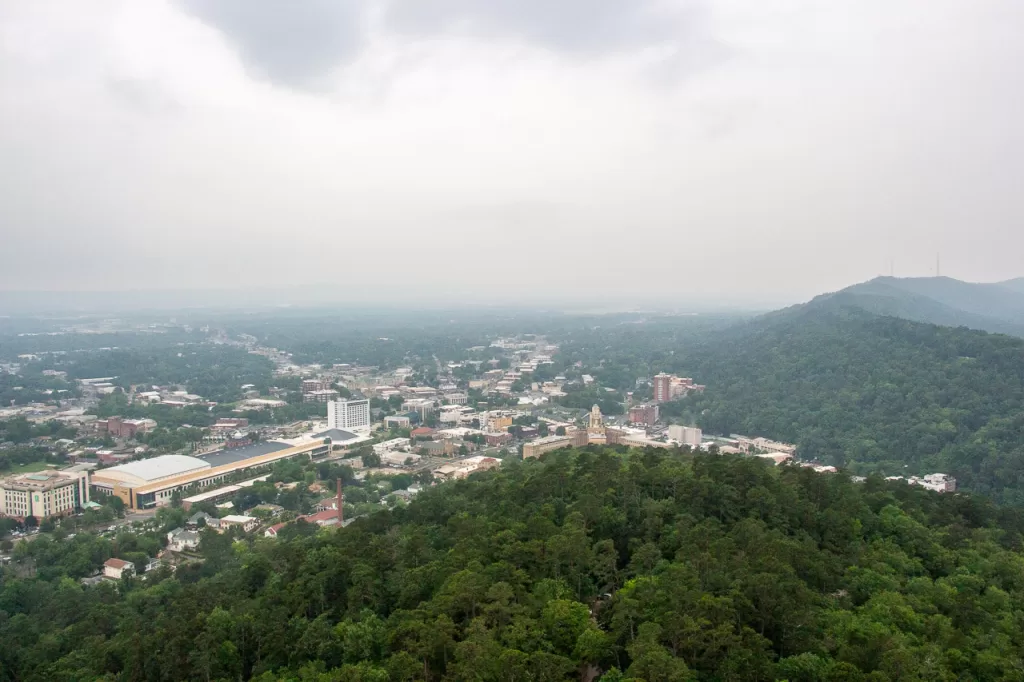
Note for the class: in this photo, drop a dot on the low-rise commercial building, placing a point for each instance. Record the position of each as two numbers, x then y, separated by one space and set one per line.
685 435
314 385
390 445
424 406
324 396
397 421
542 445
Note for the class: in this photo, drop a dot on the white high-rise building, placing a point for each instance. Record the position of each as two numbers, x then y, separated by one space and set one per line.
351 415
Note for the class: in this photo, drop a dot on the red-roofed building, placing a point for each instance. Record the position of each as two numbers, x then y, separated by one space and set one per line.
274 530
422 432
324 518
116 568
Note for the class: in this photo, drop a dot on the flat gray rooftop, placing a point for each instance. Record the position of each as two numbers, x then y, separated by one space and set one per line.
221 457
337 435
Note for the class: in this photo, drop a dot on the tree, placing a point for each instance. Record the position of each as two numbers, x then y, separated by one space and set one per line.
669 566
371 460
560 431
115 503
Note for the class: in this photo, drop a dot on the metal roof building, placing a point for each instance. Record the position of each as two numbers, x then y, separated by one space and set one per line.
153 482
150 470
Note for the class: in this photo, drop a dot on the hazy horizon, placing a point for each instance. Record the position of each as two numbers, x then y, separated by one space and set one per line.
724 152
322 297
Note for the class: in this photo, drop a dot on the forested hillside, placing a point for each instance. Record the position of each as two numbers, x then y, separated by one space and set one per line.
938 300
650 566
871 393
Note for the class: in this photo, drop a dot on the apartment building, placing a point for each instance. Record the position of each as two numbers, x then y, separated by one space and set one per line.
662 385
645 415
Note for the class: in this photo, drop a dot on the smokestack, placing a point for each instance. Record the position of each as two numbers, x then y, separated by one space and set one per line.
341 510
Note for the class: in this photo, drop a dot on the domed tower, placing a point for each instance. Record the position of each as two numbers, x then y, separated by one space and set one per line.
596 432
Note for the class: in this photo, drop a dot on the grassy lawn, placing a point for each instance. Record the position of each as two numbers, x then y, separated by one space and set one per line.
29 468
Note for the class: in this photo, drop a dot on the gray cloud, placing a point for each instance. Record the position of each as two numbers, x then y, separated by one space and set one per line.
492 152
587 26
291 43
295 43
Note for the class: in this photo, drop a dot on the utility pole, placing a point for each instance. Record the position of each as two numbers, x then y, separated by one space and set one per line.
341 507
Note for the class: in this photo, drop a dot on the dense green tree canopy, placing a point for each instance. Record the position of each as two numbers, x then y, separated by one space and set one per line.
646 566
871 393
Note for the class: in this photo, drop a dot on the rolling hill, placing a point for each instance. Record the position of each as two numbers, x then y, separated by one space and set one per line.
1014 284
585 565
945 301
870 392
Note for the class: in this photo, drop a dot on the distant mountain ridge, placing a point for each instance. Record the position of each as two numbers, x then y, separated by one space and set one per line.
948 302
868 391
1014 284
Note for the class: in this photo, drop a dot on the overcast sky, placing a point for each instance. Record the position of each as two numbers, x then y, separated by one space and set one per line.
509 149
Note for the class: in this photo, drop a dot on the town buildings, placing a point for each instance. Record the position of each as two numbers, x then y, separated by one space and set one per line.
350 415
763 445
596 433
466 467
940 483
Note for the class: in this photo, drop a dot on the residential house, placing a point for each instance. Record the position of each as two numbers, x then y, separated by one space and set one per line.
181 540
115 569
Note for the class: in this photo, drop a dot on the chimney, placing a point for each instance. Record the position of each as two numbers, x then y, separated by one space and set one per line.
341 509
